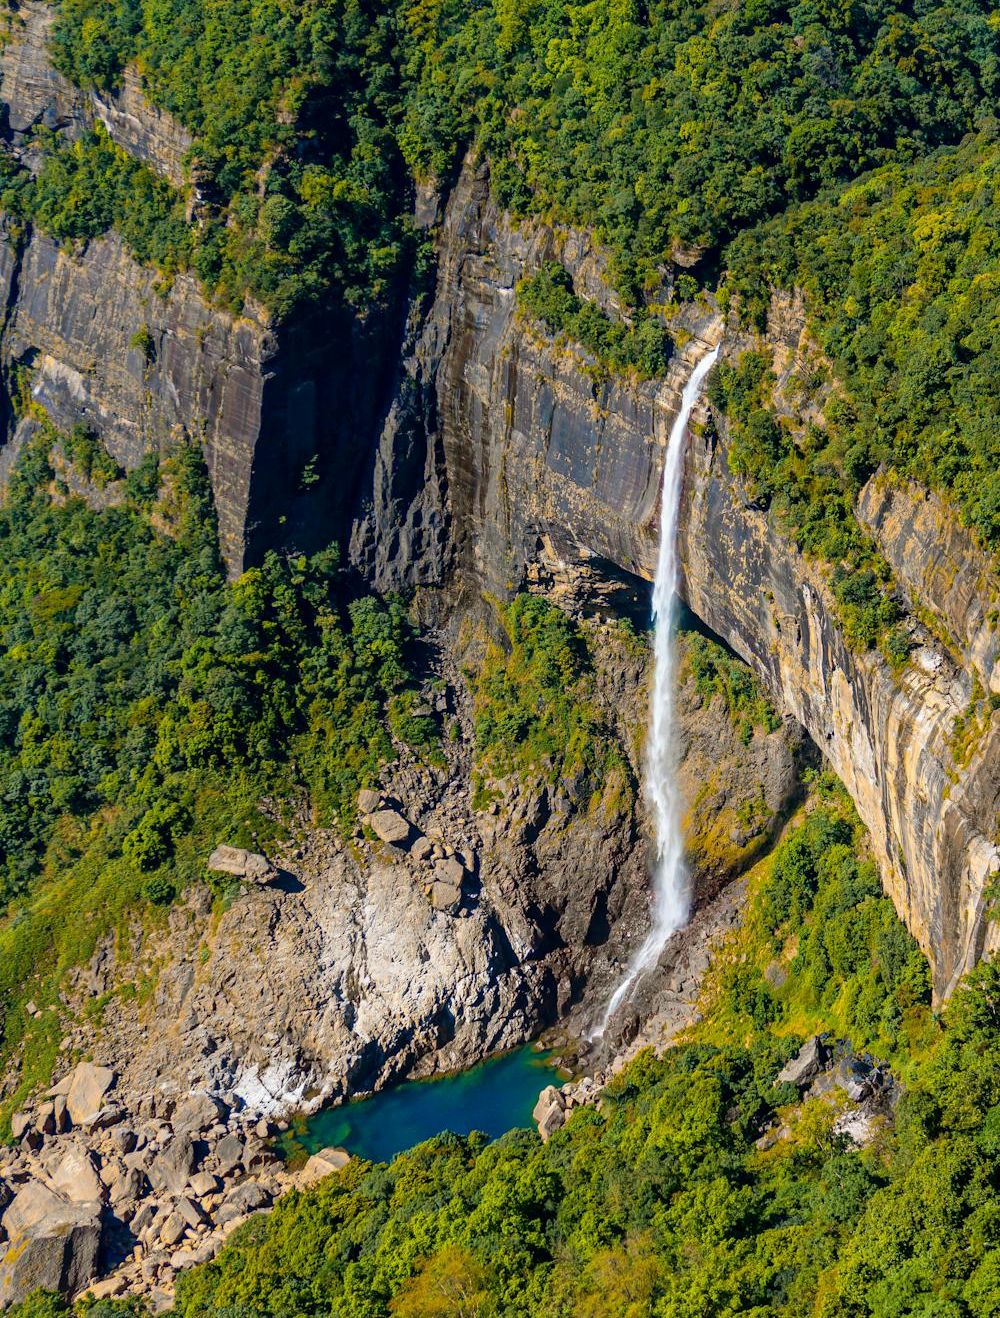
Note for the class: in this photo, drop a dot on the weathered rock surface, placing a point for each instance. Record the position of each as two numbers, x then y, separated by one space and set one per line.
249 865
52 1244
890 738
85 1095
323 1164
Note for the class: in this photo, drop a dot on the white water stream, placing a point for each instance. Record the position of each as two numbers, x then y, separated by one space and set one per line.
671 894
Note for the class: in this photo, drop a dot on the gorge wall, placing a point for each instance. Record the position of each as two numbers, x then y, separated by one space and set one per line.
458 448
538 468
143 361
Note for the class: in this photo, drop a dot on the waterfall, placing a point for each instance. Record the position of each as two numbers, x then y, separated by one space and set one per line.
671 898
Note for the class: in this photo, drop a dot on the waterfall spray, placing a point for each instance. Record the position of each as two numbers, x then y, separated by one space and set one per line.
671 897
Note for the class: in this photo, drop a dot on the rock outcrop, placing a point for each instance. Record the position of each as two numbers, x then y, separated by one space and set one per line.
929 799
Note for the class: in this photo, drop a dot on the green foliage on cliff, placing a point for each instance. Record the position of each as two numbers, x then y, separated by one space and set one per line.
900 270
659 1203
642 349
666 124
660 125
535 707
293 109
810 485
147 706
717 672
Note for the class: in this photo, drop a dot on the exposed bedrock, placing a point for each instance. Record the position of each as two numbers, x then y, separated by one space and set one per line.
533 467
283 415
917 751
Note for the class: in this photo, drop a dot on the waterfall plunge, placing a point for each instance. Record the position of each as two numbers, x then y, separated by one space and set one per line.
671 898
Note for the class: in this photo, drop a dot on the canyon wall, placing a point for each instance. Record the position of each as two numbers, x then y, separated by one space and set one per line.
143 361
484 456
507 459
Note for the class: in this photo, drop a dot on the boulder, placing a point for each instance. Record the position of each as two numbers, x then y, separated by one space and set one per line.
191 1212
323 1164
76 1176
445 897
45 1118
390 826
53 1245
245 1199
804 1066
203 1183
368 801
229 1154
549 1112
249 865
199 1112
19 1123
450 870
87 1088
422 849
171 1170
173 1230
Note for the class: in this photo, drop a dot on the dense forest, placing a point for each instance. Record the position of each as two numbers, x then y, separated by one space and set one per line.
665 1200
720 154
148 706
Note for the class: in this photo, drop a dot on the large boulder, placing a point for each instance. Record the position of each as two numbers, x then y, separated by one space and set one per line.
550 1112
76 1176
53 1244
805 1065
199 1112
391 827
250 1197
249 865
87 1088
170 1171
323 1164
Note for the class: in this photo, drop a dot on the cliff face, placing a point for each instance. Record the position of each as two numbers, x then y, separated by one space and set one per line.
263 404
501 449
505 461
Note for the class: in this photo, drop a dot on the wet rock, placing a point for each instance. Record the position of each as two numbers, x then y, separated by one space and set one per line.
248 865
87 1088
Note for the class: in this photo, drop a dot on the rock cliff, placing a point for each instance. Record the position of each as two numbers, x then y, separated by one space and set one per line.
506 456
143 361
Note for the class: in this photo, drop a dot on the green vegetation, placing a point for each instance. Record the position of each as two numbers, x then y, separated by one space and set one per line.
147 707
900 270
642 349
662 126
672 125
810 488
660 1202
536 710
717 672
